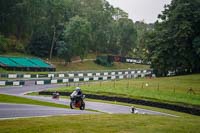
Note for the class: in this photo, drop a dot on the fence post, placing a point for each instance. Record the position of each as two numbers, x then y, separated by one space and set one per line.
158 87
114 83
127 86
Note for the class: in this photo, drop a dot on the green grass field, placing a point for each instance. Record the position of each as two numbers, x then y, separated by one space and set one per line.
169 89
103 124
116 123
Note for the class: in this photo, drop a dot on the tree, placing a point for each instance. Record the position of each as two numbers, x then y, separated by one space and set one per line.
99 23
142 29
99 14
127 35
3 44
175 38
64 51
39 43
14 17
55 18
78 34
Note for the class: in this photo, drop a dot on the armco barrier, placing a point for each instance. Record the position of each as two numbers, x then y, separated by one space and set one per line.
86 78
75 74
11 83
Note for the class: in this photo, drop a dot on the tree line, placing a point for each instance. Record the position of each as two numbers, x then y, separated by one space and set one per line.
65 28
174 44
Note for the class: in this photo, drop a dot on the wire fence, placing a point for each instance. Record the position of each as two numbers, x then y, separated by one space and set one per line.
140 85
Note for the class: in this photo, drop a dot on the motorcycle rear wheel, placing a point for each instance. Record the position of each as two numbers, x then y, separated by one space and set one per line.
71 105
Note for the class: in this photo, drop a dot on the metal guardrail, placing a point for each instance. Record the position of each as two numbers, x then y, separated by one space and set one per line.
76 76
11 83
72 74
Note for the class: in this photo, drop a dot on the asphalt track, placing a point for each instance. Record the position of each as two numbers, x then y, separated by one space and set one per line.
22 110
8 110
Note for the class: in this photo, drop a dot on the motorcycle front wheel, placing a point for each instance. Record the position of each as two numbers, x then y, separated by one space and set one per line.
82 107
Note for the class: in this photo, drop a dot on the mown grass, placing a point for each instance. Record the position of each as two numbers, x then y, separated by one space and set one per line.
103 124
169 89
20 100
90 65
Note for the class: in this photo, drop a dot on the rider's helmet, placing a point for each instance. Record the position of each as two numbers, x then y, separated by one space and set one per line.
78 89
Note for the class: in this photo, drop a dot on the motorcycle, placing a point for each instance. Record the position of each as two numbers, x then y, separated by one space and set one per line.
77 102
55 95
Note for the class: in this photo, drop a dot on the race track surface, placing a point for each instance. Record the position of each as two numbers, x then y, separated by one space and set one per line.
8 110
19 110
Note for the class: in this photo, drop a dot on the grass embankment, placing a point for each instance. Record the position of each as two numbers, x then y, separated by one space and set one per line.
78 66
20 100
90 65
86 65
169 89
104 124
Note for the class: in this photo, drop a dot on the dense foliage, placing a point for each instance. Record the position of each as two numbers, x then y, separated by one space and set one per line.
174 45
66 28
142 28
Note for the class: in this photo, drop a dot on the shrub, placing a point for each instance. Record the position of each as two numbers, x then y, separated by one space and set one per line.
3 44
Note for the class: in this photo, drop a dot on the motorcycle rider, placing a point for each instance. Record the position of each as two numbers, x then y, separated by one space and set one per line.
77 99
77 94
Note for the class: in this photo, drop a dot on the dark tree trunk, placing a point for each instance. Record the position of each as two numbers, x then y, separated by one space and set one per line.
52 43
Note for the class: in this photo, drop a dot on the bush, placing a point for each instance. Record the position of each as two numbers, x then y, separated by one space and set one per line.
104 61
19 47
3 44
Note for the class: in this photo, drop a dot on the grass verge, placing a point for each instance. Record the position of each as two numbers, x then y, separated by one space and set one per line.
168 90
20 100
103 124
